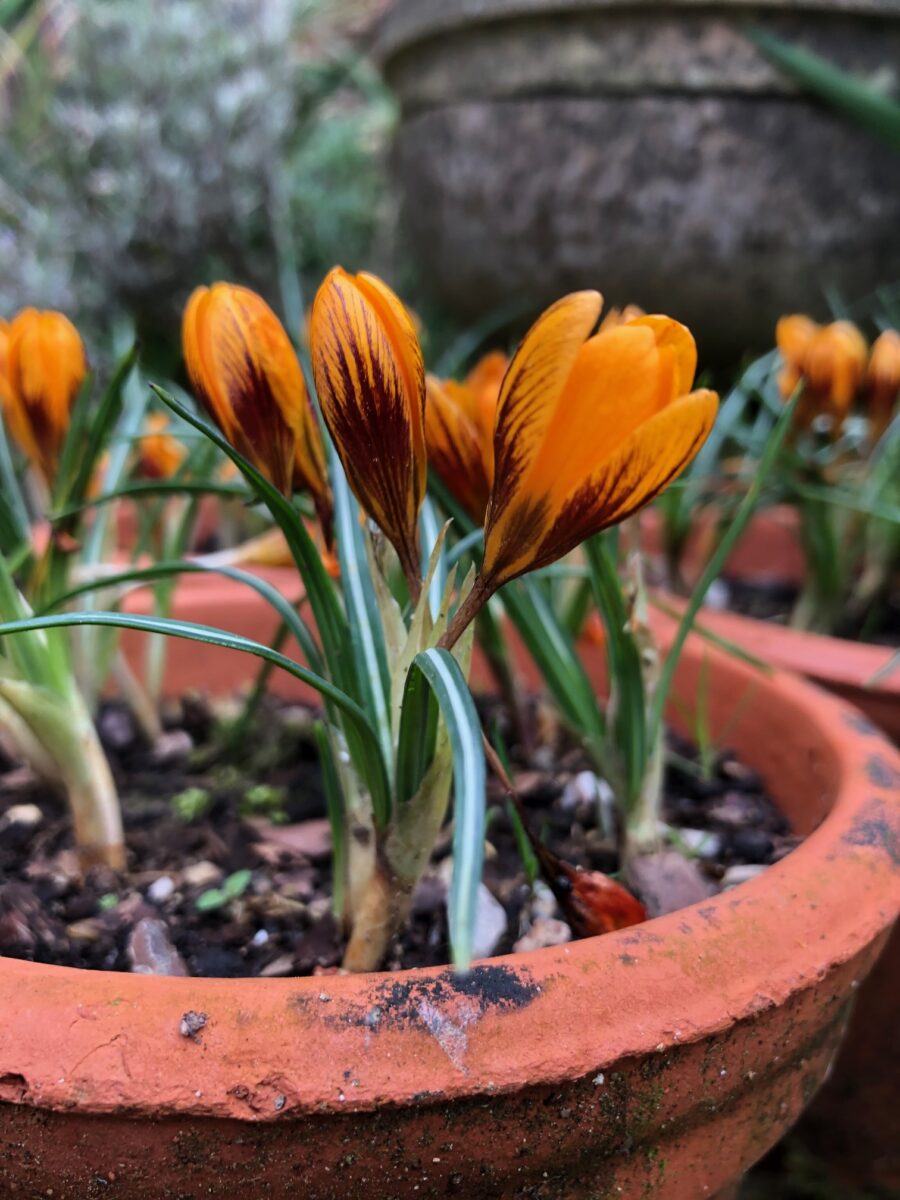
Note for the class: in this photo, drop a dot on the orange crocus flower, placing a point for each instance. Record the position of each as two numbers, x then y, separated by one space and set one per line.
370 380
459 431
588 430
247 376
44 369
830 362
160 454
883 381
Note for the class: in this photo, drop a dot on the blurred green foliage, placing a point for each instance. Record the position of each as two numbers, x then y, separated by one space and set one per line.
147 148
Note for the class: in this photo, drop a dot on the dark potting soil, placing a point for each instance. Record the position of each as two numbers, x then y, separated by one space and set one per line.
229 867
774 601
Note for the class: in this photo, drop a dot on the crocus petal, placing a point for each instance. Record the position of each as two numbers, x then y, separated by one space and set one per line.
370 380
528 402
836 363
793 335
677 350
650 458
245 372
883 381
455 447
45 367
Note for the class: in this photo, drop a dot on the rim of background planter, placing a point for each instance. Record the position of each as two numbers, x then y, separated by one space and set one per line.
274 1048
406 23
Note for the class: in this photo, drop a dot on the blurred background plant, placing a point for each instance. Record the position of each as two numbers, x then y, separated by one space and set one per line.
146 148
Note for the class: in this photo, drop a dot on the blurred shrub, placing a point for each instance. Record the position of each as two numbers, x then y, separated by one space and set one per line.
146 148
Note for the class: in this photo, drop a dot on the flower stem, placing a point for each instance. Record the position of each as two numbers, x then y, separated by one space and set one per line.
466 613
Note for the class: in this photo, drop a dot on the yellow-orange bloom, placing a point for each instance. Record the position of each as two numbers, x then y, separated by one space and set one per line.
459 431
370 380
247 376
620 316
830 361
160 454
44 368
883 381
588 430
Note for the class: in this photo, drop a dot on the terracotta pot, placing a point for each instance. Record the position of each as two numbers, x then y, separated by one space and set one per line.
854 1124
770 551
548 145
661 1060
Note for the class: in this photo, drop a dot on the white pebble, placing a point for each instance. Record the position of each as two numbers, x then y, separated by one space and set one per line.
161 889
27 815
701 842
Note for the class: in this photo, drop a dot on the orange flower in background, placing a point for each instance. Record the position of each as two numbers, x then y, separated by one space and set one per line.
830 361
589 430
160 454
44 369
370 380
459 431
883 381
247 376
620 316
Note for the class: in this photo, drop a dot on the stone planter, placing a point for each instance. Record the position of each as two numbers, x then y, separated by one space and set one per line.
657 1061
645 149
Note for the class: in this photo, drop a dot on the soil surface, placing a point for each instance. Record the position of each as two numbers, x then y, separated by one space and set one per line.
229 865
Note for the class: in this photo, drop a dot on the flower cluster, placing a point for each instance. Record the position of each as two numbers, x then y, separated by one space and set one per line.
835 368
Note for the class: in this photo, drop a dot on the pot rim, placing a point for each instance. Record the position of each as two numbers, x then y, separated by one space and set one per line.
835 661
407 23
271 1049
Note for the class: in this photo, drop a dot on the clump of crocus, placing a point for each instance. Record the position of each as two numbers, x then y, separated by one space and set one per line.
43 367
246 373
829 361
882 385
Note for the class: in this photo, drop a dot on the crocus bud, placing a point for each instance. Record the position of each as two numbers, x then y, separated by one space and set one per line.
45 366
245 373
370 380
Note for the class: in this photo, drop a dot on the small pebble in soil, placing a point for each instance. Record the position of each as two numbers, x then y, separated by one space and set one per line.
161 889
151 951
24 816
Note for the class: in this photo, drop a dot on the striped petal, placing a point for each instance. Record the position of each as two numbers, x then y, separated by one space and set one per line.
245 372
529 398
370 380
618 429
641 467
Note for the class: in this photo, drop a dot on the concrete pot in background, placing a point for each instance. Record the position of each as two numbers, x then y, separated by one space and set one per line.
646 149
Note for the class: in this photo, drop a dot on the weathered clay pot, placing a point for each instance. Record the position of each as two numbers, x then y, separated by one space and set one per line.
661 1060
770 551
854 1124
646 149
